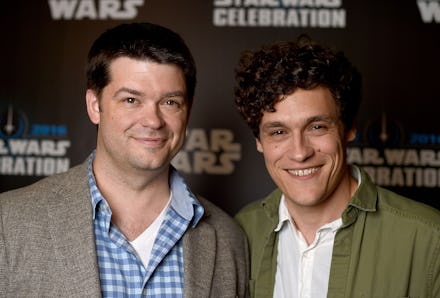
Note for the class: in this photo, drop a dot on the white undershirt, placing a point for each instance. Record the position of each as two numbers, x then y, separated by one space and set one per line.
303 270
143 244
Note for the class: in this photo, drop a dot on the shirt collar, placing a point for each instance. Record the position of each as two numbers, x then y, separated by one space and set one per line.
365 199
94 191
283 214
183 201
356 174
285 217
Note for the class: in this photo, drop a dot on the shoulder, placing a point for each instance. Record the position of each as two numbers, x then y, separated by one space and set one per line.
268 205
252 208
251 214
408 210
217 218
391 209
260 217
45 189
31 210
223 230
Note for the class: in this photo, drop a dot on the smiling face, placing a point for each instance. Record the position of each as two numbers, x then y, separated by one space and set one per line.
303 143
142 116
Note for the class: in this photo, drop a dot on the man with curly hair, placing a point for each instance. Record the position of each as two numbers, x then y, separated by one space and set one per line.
327 230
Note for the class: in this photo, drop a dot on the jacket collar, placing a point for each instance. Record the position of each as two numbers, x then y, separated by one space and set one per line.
364 199
72 233
271 205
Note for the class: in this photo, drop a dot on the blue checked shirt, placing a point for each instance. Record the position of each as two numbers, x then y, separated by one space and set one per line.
121 271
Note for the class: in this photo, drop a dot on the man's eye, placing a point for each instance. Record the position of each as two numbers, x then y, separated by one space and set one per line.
172 102
130 100
277 132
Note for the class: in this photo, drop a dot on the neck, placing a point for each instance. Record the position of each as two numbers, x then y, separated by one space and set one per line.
136 199
308 219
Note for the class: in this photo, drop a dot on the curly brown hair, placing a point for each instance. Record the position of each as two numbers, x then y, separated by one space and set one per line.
265 76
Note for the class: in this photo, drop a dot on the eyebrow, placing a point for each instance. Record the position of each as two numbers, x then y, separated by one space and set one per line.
273 124
128 90
307 121
139 93
174 94
320 118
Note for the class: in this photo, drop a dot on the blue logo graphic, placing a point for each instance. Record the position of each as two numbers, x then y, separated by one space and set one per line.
13 123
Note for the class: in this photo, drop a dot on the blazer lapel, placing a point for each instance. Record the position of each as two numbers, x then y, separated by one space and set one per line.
199 250
72 232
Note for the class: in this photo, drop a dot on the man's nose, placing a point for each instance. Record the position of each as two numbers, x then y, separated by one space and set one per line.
151 116
300 148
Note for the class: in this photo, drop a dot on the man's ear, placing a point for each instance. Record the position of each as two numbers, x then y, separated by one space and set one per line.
350 135
259 146
92 102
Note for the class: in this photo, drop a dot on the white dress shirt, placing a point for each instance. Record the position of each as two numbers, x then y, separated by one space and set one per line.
303 270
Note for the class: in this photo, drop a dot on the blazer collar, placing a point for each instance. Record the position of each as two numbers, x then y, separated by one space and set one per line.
72 233
199 250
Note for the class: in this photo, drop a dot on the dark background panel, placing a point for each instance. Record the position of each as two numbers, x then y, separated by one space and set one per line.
43 80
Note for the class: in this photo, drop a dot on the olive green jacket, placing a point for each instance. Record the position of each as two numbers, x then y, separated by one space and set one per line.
388 246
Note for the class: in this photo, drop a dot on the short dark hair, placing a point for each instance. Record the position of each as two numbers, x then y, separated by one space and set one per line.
264 76
139 41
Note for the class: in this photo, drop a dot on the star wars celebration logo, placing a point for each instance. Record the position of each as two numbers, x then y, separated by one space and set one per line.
31 149
395 158
279 13
429 10
208 152
94 9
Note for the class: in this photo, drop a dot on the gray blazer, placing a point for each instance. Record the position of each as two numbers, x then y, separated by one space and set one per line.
47 245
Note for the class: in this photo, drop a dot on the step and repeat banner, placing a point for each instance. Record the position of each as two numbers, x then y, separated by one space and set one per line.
44 128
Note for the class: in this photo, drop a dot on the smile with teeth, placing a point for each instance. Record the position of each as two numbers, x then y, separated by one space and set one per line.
303 172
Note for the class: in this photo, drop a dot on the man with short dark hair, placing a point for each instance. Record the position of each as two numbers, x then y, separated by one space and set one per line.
125 223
